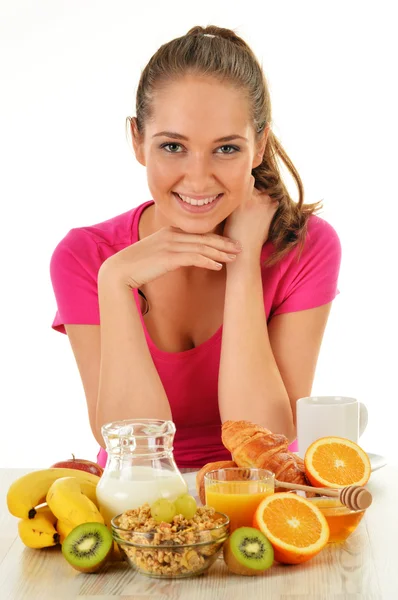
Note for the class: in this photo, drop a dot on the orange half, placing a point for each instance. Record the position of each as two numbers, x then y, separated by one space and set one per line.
336 462
295 527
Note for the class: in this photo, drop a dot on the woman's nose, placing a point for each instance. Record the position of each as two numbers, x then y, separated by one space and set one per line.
198 174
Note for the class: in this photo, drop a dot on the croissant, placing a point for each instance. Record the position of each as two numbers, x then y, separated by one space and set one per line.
255 446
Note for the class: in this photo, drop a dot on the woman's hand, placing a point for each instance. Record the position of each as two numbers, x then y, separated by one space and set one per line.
250 222
166 250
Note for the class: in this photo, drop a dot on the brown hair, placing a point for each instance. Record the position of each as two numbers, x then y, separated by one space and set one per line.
220 53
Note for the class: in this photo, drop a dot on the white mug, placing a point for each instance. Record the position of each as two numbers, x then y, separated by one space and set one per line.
322 416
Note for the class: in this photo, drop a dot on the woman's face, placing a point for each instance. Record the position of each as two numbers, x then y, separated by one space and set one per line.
185 154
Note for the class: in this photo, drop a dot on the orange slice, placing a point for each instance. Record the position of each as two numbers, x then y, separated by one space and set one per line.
295 527
336 462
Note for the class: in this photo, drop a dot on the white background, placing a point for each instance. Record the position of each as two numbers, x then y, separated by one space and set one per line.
69 71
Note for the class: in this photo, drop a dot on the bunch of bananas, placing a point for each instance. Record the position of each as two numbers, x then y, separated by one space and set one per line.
70 497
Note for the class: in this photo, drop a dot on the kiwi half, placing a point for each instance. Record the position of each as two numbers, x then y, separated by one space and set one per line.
88 546
248 552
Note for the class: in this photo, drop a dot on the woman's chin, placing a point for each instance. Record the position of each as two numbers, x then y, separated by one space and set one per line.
202 228
188 225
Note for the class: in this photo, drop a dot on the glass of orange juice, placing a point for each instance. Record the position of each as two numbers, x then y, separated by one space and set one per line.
237 491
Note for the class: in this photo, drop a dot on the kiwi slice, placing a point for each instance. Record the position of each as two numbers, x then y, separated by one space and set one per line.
88 546
248 552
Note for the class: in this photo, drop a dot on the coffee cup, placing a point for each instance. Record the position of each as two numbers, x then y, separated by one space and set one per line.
323 416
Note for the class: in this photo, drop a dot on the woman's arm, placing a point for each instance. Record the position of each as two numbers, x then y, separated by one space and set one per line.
119 377
129 384
265 369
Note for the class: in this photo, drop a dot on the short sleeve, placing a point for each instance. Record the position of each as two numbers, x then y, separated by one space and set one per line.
74 268
312 280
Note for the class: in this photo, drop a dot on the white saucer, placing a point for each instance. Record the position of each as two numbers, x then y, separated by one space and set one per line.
376 461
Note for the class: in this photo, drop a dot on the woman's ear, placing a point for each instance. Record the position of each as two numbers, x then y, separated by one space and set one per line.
261 144
138 141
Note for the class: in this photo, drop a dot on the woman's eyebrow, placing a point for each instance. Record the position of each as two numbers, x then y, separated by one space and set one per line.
178 136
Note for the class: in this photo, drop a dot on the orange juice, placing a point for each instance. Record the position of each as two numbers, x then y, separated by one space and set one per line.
238 499
341 520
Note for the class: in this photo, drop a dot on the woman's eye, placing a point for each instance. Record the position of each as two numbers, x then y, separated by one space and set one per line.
173 148
170 146
233 148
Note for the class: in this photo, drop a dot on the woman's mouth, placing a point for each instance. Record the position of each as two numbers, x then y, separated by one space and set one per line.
197 206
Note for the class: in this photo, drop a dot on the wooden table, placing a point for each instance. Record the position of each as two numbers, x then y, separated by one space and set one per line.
365 567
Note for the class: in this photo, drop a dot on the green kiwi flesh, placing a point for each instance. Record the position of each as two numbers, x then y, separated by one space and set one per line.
88 546
248 552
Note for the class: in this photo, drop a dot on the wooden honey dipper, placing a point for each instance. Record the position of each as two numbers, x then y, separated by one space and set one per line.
355 497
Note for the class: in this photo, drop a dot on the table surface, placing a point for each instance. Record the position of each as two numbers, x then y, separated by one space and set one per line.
363 568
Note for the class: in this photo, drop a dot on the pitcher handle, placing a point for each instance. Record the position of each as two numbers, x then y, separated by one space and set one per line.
363 418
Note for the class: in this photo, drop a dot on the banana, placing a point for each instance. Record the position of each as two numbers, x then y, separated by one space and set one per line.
90 490
30 490
70 505
38 532
45 511
63 529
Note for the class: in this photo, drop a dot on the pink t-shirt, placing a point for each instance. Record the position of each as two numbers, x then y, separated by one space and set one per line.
190 377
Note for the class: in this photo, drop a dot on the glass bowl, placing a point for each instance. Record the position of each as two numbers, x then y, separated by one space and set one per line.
171 558
342 520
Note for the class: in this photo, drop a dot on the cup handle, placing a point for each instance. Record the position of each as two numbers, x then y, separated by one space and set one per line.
363 418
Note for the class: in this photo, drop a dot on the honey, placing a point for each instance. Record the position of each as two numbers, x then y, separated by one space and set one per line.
341 520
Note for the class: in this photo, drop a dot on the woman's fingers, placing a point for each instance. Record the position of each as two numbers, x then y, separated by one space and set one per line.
208 239
203 249
167 250
207 250
193 259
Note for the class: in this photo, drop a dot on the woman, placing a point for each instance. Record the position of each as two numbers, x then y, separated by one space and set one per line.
209 302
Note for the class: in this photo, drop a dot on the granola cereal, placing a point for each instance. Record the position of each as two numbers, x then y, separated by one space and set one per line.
181 548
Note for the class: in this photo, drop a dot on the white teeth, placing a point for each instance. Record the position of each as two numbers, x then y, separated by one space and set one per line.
194 202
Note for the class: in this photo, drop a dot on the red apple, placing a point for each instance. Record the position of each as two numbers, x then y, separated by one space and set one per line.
79 463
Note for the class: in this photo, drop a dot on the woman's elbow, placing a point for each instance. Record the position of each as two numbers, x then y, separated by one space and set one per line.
292 434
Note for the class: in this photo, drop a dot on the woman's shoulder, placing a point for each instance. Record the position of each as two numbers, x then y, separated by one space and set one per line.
308 277
321 247
320 230
116 232
321 240
90 245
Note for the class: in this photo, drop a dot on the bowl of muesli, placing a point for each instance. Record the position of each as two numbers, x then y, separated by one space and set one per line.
182 548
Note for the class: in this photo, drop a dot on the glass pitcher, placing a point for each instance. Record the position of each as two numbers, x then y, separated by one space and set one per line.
140 466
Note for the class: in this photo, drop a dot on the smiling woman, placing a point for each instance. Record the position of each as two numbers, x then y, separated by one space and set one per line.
238 278
191 164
